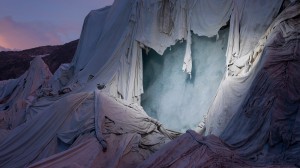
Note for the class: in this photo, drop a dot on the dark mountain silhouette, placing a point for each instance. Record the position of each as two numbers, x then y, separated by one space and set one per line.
14 63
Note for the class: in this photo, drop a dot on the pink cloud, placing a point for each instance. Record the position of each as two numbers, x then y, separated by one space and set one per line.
24 35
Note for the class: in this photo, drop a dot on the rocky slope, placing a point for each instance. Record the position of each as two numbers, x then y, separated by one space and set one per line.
14 63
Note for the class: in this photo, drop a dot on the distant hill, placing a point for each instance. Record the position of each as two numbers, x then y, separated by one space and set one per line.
4 49
64 54
14 63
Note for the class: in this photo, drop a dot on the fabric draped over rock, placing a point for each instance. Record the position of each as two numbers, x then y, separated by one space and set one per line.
194 150
53 130
90 37
65 120
263 131
186 16
269 113
20 93
249 21
233 89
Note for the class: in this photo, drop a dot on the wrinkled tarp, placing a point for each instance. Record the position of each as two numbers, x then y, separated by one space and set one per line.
194 150
23 92
268 119
233 89
264 132
185 16
56 127
89 38
68 124
249 21
116 62
7 86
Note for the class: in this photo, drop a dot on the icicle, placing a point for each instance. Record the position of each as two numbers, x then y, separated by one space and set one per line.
187 64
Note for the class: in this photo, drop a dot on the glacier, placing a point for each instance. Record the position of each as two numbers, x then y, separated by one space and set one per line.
175 98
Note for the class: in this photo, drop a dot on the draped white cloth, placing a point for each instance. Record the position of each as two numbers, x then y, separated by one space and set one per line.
67 121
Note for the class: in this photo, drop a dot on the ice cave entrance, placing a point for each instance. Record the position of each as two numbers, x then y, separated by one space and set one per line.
170 95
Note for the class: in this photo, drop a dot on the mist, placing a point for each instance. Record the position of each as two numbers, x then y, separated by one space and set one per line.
170 95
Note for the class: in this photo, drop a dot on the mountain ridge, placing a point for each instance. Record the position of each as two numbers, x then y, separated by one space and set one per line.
14 63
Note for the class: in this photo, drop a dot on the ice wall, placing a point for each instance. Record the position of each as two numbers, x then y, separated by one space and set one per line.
170 95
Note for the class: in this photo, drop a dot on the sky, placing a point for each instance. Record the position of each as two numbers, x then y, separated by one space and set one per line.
31 23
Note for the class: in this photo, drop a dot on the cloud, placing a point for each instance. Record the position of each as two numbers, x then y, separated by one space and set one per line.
24 35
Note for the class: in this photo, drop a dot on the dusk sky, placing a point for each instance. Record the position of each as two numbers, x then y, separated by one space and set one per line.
30 23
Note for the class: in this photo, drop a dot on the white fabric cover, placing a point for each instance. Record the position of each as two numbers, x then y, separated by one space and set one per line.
75 126
249 21
89 37
233 89
71 120
24 92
